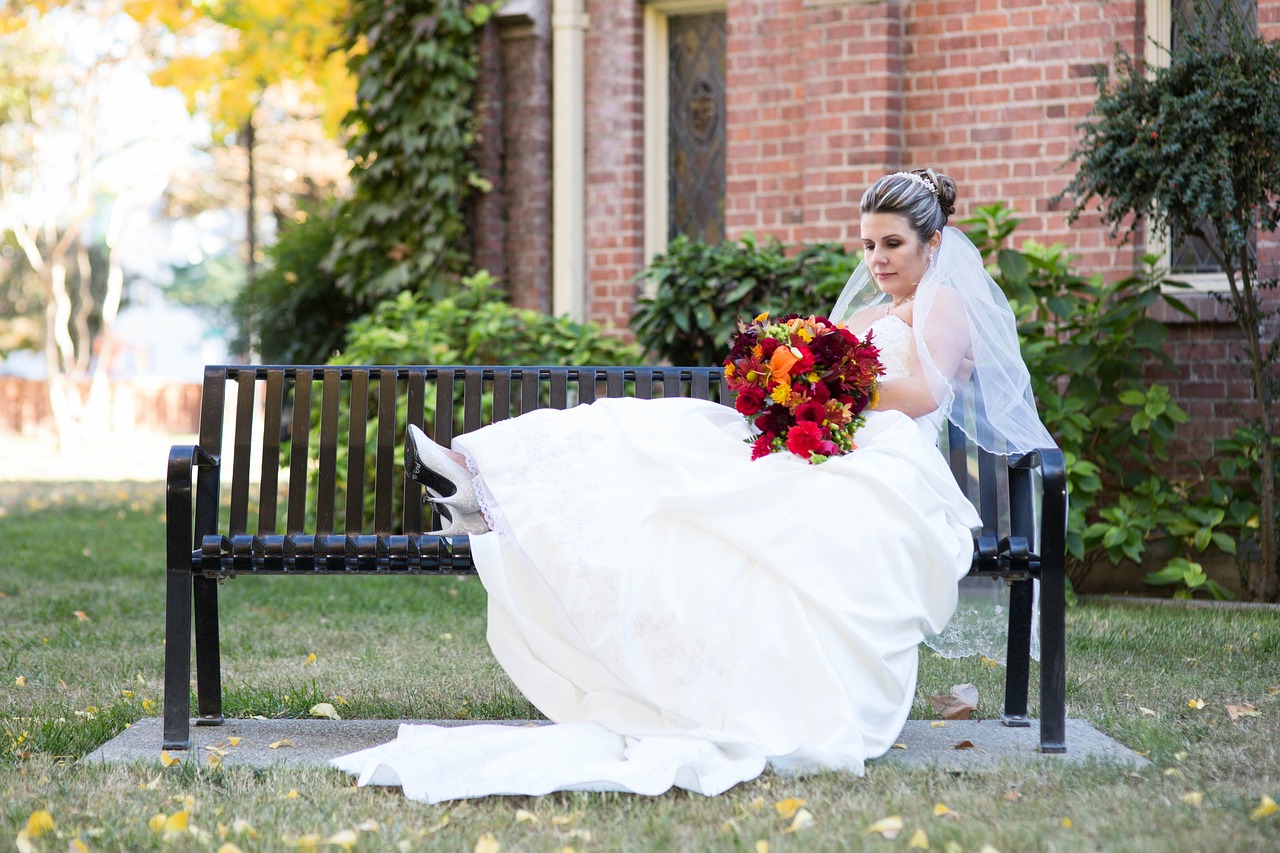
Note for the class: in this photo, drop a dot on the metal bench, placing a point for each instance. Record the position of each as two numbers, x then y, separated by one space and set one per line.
374 526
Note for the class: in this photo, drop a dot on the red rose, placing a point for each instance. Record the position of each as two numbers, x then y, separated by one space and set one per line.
811 412
750 400
803 439
762 446
767 346
828 448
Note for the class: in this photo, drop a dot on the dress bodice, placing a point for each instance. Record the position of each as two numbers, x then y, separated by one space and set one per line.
894 337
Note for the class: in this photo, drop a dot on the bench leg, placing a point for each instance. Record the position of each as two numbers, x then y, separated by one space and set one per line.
208 662
177 662
1018 656
1053 663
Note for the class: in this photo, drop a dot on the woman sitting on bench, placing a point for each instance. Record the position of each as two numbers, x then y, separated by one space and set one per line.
688 615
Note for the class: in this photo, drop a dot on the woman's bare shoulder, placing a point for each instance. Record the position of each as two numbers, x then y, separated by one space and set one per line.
861 321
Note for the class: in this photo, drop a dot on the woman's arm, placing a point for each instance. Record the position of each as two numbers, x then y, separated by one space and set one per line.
947 339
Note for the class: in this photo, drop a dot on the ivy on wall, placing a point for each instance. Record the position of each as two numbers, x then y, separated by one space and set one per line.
412 135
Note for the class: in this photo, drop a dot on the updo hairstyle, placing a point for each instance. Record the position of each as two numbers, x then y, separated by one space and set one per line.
925 198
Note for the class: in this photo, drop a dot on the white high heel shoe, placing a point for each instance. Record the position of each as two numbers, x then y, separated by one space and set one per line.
462 524
448 484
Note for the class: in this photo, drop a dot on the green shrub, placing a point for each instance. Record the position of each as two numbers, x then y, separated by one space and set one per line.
698 292
294 310
475 325
1085 342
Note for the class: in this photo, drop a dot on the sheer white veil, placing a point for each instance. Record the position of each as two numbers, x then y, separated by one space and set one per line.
967 340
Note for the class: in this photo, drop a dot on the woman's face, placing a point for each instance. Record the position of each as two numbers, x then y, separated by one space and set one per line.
895 255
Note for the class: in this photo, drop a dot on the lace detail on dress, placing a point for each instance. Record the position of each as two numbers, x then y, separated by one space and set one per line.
893 337
489 508
980 625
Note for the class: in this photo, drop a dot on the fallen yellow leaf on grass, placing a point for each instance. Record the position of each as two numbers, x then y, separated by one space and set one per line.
1193 798
280 743
311 659
20 681
324 709
937 724
940 810
170 825
23 842
439 825
1266 808
167 760
234 741
990 662
987 848
1196 704
565 820
346 839
486 843
919 841
229 848
1235 712
1146 712
524 816
1066 823
75 845
81 616
899 746
292 795
762 846
887 827
40 822
306 843
787 808
240 826
214 761
803 819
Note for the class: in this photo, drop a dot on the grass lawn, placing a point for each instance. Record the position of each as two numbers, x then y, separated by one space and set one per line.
82 601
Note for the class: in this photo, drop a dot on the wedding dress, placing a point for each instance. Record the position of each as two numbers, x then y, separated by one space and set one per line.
687 616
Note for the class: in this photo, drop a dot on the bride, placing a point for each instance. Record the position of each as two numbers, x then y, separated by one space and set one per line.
687 616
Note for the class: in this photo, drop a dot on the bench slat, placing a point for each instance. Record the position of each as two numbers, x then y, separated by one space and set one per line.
269 472
300 441
384 487
501 394
242 443
327 478
353 518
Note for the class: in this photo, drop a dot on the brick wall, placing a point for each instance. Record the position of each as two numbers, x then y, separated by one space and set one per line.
615 158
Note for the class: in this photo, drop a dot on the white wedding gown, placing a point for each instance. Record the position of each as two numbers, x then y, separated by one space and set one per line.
686 615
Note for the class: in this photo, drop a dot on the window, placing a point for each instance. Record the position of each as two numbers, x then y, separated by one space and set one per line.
1187 257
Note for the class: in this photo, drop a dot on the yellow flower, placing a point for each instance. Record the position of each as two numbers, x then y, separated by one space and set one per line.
875 397
728 370
757 351
805 333
761 318
781 392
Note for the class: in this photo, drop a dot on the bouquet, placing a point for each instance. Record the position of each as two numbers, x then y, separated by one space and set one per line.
804 383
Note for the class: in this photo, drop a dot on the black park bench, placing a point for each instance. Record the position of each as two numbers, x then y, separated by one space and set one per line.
316 460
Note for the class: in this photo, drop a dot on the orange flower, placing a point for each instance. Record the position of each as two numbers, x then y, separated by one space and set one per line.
781 363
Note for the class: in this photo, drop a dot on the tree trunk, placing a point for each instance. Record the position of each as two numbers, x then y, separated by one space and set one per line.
1261 585
251 230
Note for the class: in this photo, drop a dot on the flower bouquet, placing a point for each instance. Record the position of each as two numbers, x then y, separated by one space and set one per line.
803 383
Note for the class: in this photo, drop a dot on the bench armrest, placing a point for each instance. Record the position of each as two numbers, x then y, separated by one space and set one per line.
179 510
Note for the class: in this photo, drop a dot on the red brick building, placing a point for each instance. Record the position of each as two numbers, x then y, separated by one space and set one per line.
613 124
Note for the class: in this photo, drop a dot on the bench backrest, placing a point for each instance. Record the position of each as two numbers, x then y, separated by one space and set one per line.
304 459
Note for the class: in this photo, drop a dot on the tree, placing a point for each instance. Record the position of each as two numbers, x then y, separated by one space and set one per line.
69 183
274 63
1193 148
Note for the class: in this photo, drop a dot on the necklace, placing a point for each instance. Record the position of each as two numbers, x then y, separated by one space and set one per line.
888 309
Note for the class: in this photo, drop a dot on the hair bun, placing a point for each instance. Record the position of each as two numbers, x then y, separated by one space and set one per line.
946 190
